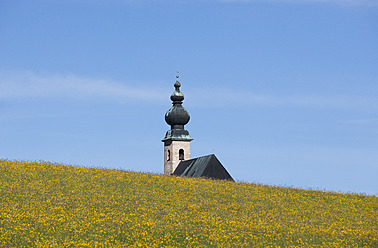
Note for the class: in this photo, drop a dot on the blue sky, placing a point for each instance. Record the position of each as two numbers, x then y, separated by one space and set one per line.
283 92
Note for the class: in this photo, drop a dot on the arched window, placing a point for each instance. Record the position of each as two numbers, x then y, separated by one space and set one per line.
181 154
168 155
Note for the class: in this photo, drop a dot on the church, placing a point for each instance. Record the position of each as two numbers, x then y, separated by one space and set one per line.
177 160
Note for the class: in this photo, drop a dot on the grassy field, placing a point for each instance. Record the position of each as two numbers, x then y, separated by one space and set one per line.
49 205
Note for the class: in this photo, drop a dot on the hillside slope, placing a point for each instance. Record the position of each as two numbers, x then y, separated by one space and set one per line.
50 205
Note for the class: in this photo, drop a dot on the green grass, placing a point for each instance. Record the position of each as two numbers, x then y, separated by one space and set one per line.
48 205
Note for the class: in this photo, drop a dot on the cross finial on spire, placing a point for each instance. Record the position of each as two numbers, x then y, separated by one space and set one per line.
177 76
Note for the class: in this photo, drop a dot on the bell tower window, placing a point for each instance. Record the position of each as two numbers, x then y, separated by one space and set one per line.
168 155
181 154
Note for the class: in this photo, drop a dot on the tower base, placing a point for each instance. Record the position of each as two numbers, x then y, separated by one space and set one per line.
174 152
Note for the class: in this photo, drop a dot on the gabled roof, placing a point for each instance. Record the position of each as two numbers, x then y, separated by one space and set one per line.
206 166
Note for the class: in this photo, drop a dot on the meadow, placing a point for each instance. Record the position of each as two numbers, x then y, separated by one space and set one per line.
52 205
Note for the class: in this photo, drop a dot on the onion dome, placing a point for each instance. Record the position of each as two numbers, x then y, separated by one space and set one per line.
177 96
177 116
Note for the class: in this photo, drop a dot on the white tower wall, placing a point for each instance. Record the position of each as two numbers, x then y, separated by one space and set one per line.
172 154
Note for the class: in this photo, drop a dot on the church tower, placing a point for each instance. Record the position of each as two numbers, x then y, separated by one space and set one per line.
177 140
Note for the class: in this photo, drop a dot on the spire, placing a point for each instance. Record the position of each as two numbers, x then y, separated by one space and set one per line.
177 116
177 84
177 97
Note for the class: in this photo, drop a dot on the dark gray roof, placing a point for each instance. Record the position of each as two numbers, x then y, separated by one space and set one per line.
206 166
